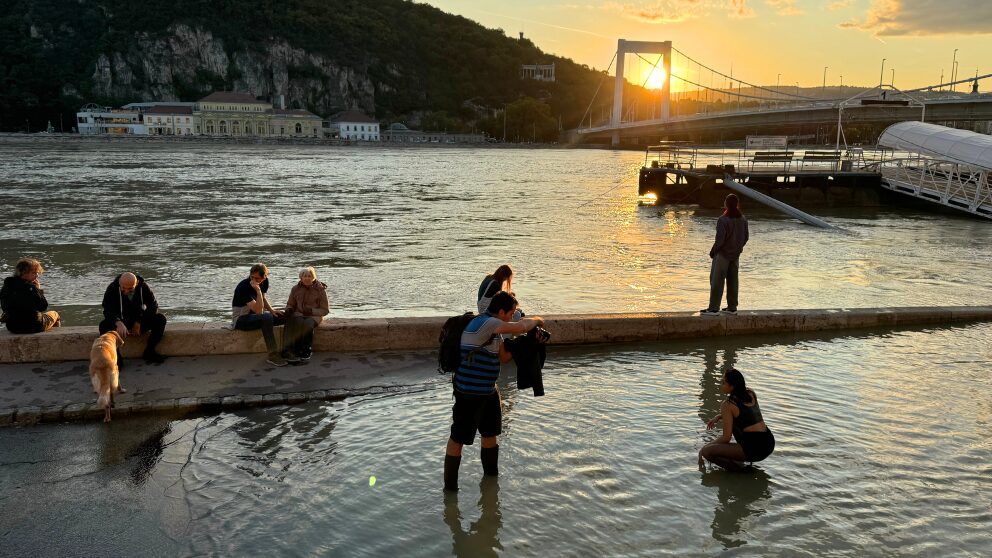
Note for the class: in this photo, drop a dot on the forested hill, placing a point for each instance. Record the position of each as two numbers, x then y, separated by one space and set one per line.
394 59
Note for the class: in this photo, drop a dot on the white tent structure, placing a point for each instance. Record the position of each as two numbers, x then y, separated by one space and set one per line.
946 166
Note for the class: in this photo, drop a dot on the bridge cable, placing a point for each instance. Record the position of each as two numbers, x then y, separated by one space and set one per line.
740 80
594 95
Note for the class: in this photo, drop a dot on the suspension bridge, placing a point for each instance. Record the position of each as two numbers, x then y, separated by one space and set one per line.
661 93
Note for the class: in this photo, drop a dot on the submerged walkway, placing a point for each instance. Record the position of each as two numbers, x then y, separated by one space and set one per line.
212 368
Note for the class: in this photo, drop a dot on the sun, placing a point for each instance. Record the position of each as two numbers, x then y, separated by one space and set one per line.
656 79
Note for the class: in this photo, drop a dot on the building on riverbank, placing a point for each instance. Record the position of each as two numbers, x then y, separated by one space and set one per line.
93 120
220 114
399 133
352 125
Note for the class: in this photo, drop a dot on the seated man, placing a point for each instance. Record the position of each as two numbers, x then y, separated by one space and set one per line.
250 310
130 308
25 308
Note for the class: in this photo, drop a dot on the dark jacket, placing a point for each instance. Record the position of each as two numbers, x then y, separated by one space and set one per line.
529 356
117 306
731 236
21 303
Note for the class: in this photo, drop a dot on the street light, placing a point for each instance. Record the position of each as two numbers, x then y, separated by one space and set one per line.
954 78
954 64
892 82
823 89
842 82
882 73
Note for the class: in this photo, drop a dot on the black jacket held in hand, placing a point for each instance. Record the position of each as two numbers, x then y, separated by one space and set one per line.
529 354
21 302
117 306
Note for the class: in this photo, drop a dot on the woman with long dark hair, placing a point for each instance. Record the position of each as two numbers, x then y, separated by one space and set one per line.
731 236
500 280
741 418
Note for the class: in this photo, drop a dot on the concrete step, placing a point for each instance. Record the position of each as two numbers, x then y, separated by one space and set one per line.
342 335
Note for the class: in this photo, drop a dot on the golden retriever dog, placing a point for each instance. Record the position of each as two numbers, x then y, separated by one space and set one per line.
104 372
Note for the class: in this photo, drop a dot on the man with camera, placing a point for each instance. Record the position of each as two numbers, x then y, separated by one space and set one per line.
477 405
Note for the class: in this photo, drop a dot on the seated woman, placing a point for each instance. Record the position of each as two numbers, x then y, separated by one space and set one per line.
306 308
500 280
25 308
742 417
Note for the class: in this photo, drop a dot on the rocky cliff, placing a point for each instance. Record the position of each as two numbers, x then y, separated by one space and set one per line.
191 60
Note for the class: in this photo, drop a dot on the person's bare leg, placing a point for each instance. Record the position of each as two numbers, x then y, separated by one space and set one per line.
729 456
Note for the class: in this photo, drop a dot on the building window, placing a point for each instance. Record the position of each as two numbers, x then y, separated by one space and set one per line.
223 126
299 128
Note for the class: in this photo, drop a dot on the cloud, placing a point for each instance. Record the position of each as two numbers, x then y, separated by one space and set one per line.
895 18
676 11
839 5
784 7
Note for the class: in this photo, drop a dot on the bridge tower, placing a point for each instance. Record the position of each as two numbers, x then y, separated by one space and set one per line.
650 47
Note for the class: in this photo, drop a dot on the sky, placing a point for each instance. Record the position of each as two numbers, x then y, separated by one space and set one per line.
764 41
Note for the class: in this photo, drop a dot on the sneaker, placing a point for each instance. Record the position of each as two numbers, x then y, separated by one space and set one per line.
708 312
152 357
276 360
290 357
306 356
729 311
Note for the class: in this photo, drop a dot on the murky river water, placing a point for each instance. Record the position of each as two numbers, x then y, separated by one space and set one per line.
883 445
883 450
413 231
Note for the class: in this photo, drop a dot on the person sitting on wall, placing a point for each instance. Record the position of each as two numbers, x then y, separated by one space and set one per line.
23 302
250 310
305 309
130 308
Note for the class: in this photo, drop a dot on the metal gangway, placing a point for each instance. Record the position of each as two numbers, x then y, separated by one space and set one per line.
946 166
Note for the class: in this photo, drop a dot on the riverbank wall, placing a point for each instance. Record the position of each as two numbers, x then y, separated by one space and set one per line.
44 377
418 333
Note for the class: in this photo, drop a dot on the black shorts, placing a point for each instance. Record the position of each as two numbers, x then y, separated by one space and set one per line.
471 413
756 445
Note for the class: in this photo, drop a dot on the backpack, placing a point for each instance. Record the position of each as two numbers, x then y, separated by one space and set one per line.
449 354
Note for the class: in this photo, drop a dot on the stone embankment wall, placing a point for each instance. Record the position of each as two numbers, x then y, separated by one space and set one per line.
341 335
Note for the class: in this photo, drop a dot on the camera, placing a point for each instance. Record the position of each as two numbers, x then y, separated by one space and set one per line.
542 335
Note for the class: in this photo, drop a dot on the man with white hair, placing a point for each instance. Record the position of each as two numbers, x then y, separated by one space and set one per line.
130 308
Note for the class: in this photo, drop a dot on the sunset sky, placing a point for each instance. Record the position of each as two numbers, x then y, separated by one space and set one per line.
764 38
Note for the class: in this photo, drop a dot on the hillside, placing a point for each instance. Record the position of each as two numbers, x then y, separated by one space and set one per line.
394 59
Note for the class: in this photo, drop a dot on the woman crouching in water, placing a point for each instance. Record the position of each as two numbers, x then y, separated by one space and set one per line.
742 417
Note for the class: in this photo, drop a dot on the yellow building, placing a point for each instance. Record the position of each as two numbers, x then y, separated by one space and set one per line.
229 113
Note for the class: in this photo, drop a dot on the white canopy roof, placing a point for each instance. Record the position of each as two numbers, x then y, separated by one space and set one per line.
940 142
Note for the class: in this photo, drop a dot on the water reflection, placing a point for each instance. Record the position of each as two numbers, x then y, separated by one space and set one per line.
709 382
740 496
482 536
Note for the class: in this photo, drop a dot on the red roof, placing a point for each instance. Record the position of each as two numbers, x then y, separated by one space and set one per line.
168 109
232 97
353 116
294 112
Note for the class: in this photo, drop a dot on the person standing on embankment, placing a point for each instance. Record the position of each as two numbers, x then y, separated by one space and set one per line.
731 236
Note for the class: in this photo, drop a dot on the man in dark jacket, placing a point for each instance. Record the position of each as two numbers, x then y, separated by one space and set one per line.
23 302
130 308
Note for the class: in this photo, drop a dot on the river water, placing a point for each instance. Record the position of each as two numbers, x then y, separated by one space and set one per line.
882 450
883 445
400 232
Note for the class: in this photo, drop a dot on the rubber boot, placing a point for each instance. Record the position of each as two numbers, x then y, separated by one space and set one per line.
451 464
490 461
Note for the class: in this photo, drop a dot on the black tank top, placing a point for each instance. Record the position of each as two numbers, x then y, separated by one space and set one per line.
746 415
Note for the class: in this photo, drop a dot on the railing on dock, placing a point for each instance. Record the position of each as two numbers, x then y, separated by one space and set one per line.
682 155
954 185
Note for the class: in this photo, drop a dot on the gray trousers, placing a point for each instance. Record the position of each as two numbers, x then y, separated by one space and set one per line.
722 270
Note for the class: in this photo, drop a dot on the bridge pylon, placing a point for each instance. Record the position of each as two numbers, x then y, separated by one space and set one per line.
664 48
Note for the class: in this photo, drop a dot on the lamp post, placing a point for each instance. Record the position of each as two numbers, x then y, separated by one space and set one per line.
892 82
954 65
954 78
882 73
823 88
842 82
